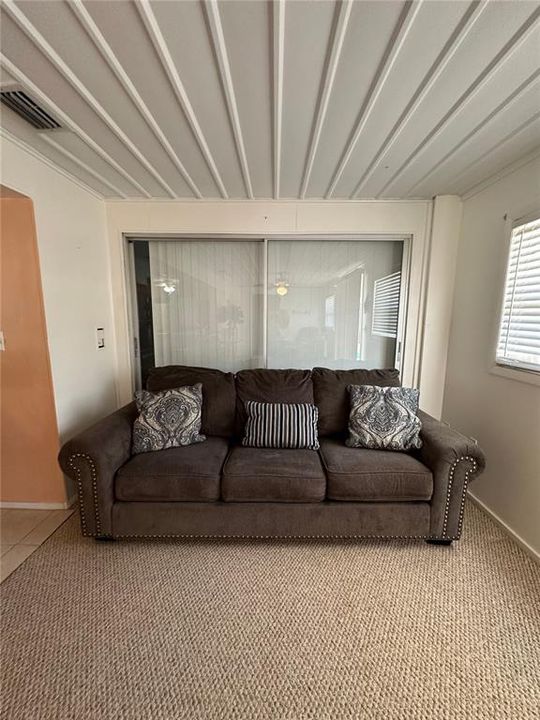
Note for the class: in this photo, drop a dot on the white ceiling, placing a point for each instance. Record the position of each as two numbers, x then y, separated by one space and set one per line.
295 99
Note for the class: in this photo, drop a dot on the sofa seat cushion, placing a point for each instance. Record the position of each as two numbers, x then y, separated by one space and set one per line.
273 475
358 474
190 473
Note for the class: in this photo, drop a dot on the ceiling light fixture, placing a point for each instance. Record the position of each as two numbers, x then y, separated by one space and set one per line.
281 284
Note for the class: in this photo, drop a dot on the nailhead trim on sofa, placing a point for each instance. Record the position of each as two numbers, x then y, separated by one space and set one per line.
444 536
292 537
468 473
93 473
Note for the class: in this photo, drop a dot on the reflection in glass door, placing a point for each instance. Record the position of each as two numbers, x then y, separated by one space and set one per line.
333 303
199 303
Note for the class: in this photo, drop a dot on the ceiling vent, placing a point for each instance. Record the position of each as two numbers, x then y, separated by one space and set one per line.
28 109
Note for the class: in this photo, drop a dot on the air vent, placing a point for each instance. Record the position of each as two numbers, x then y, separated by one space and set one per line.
28 109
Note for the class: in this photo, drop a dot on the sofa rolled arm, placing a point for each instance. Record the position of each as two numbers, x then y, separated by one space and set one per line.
91 460
454 461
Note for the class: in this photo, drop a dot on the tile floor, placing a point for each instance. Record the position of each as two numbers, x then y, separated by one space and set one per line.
22 532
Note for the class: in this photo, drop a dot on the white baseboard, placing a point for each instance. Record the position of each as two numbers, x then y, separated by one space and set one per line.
39 506
507 529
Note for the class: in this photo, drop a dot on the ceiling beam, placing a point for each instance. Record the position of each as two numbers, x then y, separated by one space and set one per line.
470 93
343 14
278 54
156 36
220 48
68 123
507 102
86 20
41 43
74 159
468 22
405 23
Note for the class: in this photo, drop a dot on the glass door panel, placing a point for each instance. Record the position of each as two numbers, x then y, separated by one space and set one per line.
204 302
333 303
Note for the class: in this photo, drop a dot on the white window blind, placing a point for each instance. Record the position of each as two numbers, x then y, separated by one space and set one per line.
519 333
386 305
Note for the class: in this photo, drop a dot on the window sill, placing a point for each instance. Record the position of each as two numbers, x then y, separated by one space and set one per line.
512 373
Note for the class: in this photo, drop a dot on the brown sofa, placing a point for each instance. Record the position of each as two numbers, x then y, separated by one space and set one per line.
219 488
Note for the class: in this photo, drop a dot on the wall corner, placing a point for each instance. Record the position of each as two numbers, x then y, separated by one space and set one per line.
439 298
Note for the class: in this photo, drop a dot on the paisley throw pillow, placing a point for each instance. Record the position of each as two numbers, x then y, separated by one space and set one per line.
384 418
170 418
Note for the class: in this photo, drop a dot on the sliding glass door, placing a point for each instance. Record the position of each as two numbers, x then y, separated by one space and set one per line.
333 303
199 303
275 303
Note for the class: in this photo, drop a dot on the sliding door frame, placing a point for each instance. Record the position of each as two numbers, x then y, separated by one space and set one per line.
133 312
131 294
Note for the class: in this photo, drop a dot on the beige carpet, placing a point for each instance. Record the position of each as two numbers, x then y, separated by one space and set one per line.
289 630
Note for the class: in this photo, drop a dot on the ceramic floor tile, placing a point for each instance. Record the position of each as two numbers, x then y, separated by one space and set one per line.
16 524
46 527
13 558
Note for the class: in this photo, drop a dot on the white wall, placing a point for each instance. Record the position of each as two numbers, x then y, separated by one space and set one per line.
264 219
75 274
440 279
501 411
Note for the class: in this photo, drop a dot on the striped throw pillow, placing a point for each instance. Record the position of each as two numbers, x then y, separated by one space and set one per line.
281 425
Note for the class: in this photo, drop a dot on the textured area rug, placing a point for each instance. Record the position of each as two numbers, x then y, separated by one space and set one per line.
273 629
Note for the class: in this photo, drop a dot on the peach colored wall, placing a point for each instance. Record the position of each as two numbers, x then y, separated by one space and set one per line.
28 427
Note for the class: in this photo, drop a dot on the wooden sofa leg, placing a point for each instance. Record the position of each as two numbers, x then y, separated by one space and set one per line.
436 541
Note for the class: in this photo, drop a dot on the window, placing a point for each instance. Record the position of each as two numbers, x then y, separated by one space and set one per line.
386 305
519 332
210 303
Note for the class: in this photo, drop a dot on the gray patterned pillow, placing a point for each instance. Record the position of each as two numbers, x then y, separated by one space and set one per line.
384 418
170 418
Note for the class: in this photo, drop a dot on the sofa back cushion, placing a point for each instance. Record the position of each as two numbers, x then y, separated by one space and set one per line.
332 397
219 396
270 386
